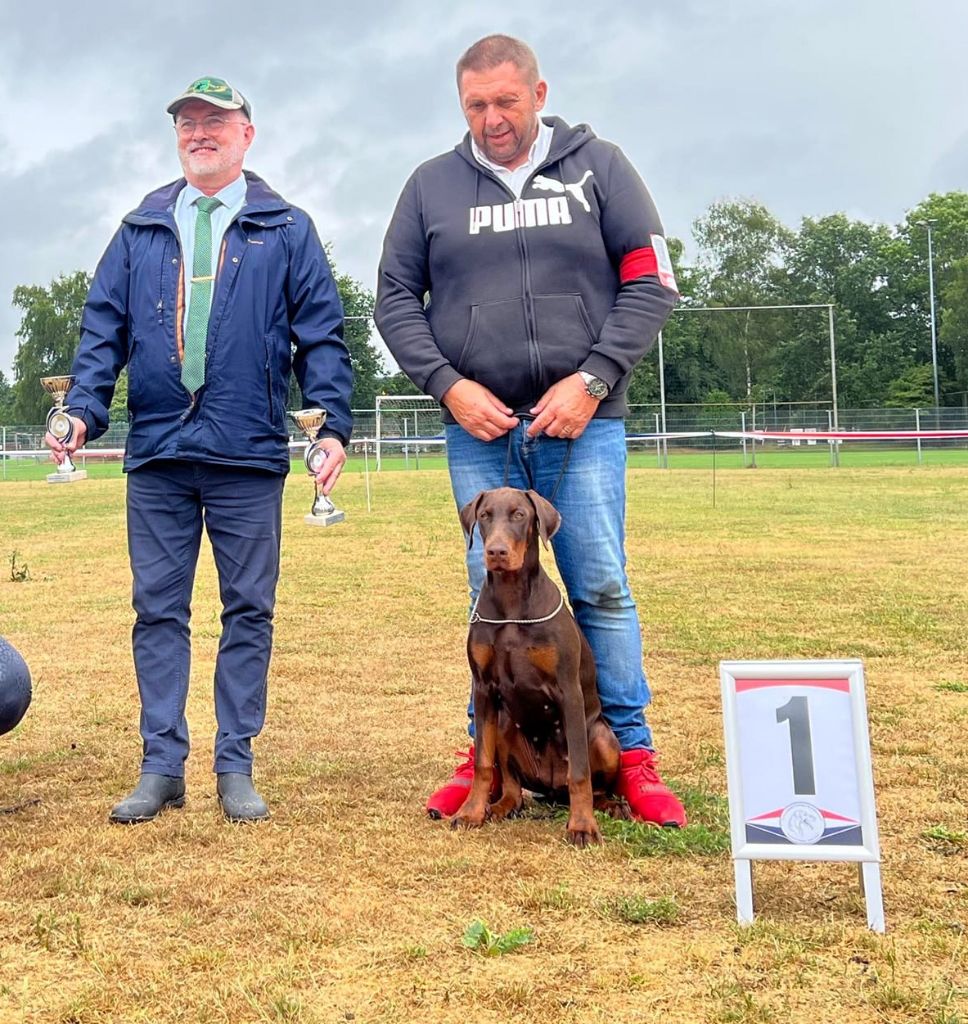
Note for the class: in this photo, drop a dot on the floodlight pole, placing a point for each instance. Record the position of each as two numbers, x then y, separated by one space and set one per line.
934 336
662 403
833 381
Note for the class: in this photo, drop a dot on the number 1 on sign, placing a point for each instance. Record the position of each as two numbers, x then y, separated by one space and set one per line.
796 712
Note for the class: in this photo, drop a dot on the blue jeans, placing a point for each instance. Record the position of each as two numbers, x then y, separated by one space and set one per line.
589 547
167 503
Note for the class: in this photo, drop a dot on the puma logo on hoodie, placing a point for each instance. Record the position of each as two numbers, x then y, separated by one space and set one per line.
532 213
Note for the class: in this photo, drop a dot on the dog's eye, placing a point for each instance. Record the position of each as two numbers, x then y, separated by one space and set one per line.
518 513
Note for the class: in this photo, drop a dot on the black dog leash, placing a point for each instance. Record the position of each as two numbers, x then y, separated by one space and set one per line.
561 472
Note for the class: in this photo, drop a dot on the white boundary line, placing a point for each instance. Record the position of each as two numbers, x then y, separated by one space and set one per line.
755 435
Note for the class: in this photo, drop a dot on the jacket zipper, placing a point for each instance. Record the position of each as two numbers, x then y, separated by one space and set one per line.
530 319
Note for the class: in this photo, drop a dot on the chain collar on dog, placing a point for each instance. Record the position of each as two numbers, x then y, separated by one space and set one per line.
515 622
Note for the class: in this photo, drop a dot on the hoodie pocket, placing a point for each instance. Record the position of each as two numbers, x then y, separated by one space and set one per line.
498 355
564 334
495 352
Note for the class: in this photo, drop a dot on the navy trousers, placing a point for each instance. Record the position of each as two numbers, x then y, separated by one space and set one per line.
167 503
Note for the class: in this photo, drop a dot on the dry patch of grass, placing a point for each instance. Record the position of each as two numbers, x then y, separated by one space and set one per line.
351 906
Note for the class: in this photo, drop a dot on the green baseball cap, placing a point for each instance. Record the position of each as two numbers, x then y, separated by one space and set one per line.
216 91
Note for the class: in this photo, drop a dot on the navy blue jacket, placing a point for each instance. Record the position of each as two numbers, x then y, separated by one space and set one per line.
517 295
275 308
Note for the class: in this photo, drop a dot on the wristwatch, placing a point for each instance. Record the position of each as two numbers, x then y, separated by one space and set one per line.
594 386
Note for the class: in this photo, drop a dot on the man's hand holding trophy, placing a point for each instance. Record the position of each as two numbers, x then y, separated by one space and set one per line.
310 422
66 430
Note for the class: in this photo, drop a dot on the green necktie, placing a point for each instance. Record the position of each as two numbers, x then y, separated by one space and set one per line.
200 299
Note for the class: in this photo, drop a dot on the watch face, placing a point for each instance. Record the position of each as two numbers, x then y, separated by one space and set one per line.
596 387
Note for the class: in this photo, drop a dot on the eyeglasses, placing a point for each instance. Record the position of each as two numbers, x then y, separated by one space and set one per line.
212 125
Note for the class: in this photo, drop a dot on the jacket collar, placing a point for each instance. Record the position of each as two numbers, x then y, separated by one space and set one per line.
260 200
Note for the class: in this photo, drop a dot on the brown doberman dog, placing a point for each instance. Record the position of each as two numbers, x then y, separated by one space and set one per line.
536 706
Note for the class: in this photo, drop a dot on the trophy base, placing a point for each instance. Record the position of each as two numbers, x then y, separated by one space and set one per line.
67 478
336 516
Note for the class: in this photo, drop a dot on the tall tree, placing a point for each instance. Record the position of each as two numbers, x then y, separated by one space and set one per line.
954 327
742 250
848 263
48 333
6 400
367 362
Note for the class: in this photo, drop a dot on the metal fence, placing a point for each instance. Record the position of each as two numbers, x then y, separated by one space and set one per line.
644 422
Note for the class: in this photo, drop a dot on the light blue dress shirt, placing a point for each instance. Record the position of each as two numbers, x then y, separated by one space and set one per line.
232 198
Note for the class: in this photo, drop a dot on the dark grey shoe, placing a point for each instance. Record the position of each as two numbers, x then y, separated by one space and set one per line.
239 800
152 795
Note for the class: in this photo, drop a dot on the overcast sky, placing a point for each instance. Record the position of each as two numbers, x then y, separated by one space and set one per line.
810 107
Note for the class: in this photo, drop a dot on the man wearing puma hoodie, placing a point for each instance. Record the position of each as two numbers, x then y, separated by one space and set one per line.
524 274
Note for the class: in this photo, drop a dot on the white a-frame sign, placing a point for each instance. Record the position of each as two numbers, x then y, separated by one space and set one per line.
798 765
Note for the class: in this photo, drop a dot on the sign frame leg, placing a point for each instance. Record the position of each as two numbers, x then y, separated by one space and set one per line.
869 874
743 873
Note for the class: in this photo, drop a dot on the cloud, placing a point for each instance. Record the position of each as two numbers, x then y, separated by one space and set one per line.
810 108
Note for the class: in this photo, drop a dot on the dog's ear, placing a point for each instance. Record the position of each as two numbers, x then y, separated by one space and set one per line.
468 517
549 519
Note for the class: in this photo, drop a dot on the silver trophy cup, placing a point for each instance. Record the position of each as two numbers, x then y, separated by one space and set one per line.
60 425
310 422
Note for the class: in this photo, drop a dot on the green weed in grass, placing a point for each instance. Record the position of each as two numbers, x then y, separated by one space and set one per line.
639 910
479 937
946 841
19 571
952 687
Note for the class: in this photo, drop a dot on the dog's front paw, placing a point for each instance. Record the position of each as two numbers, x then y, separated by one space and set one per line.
470 817
614 807
583 832
507 807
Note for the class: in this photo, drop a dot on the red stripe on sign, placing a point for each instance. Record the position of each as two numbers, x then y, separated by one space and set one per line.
758 684
637 263
769 814
838 817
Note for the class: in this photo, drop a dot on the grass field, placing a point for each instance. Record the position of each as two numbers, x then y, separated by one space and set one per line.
349 905
641 456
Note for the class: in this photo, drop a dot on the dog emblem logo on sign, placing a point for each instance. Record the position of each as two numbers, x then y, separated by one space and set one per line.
802 823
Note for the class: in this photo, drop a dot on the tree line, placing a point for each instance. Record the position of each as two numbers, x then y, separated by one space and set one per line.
875 275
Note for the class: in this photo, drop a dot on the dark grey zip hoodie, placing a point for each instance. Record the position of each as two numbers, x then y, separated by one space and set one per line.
518 295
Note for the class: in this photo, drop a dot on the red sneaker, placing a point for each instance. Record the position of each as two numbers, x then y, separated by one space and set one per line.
648 796
446 801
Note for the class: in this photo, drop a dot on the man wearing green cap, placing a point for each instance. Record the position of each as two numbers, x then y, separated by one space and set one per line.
211 292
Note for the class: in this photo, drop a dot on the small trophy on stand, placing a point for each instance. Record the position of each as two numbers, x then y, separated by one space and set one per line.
310 422
60 425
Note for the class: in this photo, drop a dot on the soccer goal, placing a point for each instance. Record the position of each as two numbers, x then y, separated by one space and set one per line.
404 423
